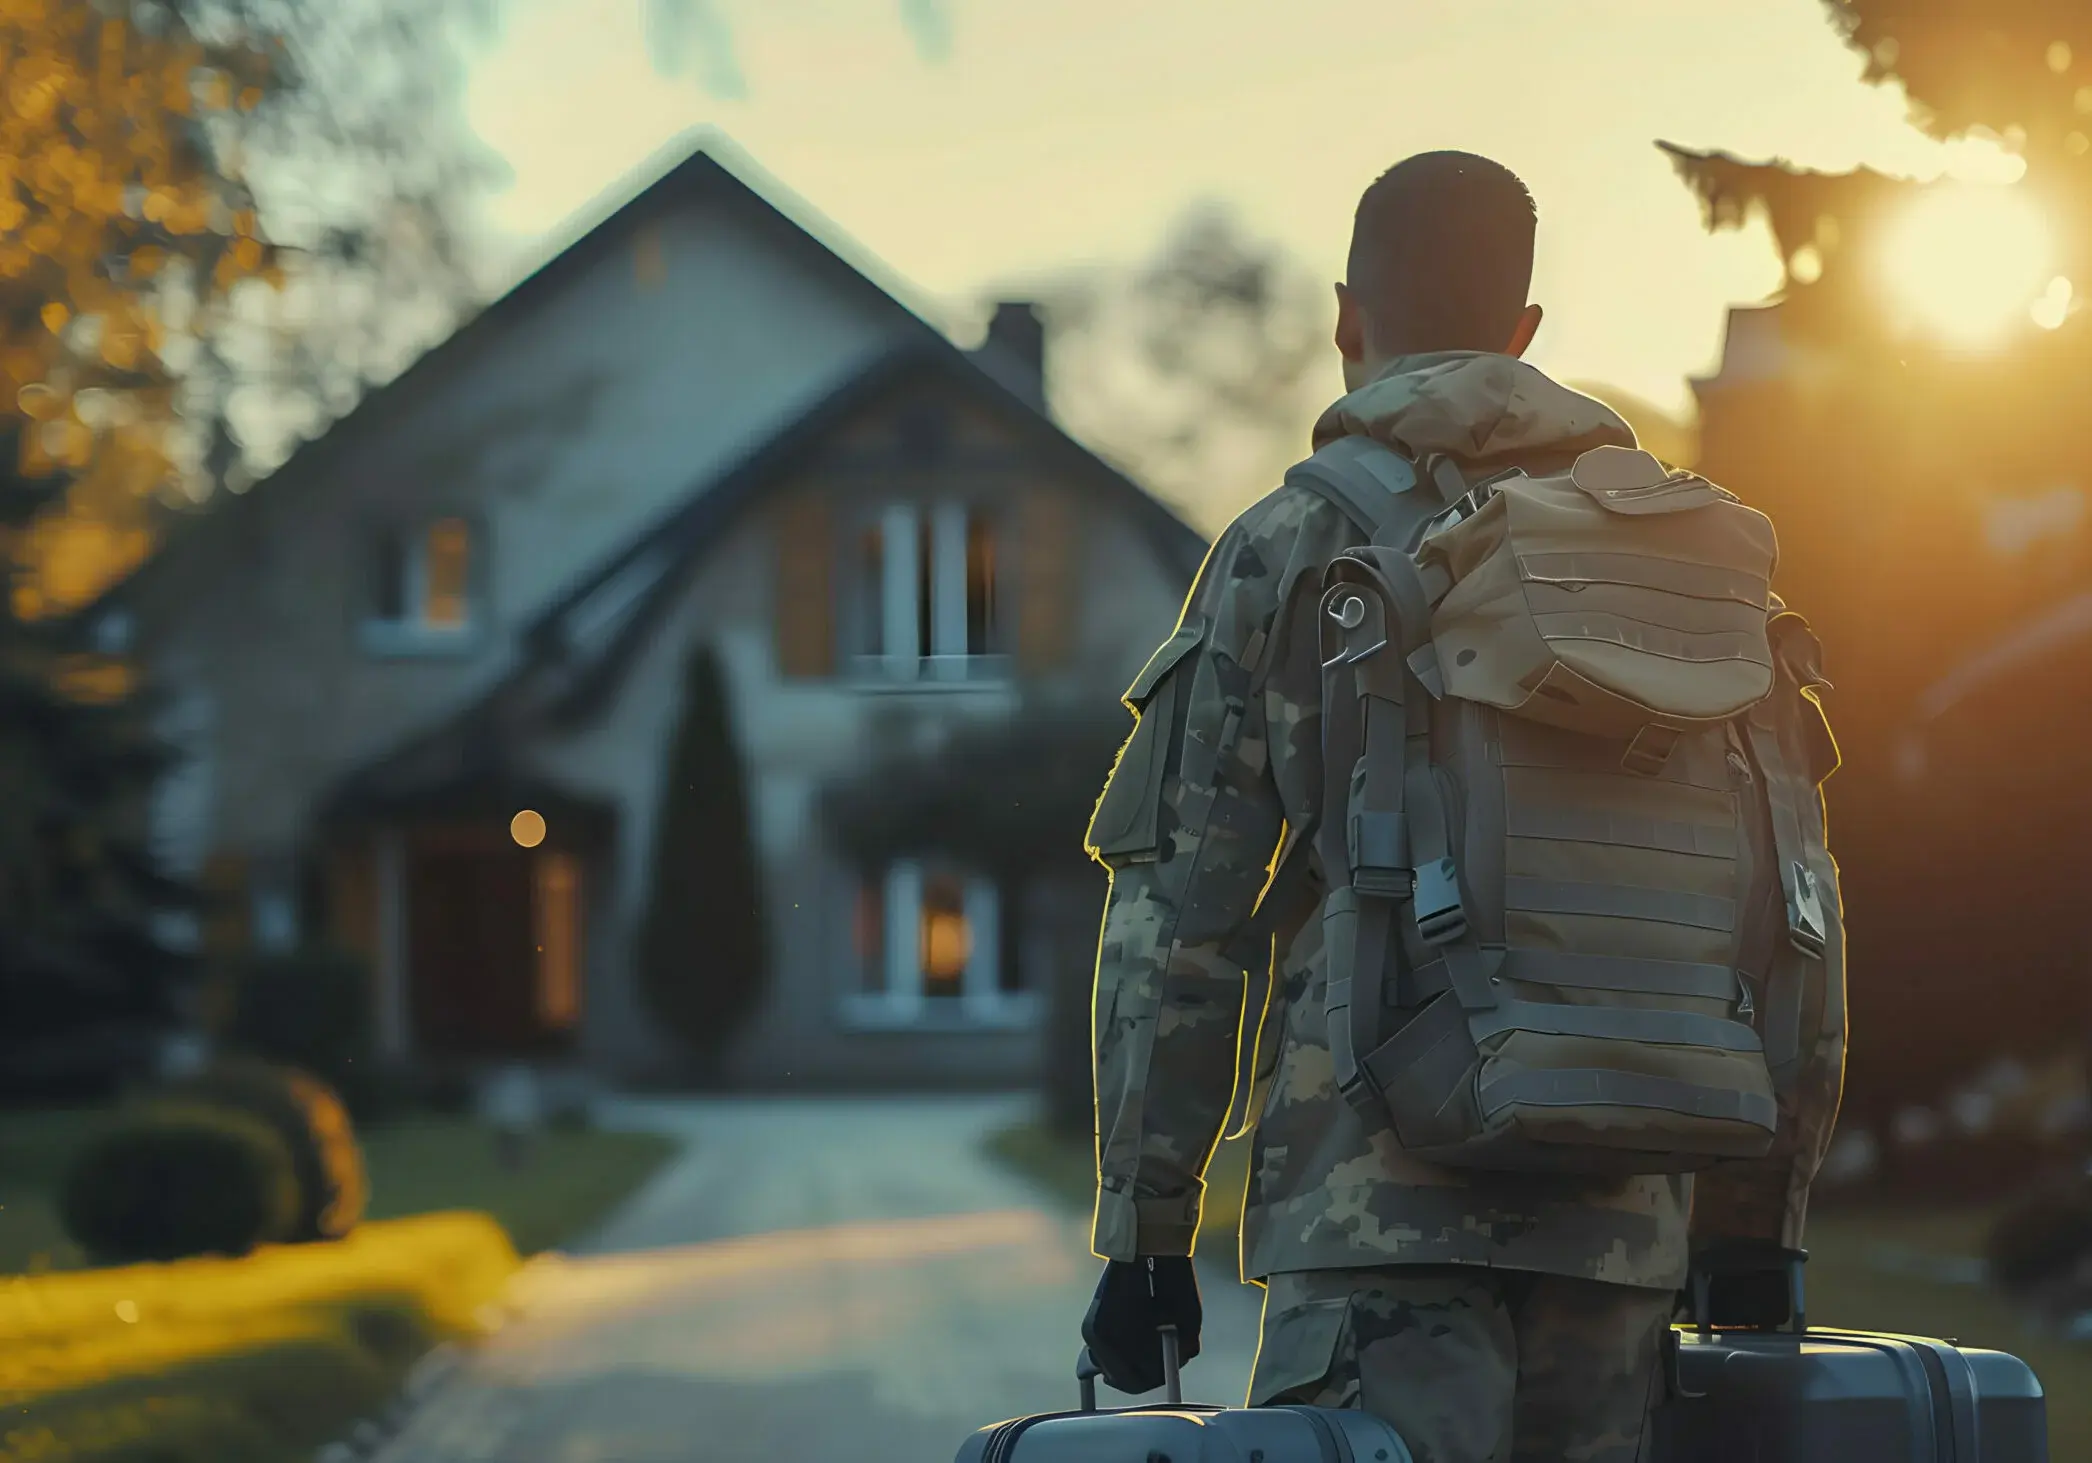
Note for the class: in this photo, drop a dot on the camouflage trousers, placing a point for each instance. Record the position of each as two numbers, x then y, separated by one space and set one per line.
1471 1365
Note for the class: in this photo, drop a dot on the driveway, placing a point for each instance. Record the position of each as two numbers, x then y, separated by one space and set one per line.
811 1279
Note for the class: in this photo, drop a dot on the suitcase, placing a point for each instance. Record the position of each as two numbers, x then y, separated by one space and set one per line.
1182 1432
1793 1394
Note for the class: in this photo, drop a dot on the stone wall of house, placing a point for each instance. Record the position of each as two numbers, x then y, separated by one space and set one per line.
559 429
798 737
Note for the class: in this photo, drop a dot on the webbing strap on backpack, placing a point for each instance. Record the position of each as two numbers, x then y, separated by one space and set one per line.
1801 897
1371 716
1365 479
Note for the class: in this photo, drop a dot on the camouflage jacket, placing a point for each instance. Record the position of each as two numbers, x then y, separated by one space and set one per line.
1224 759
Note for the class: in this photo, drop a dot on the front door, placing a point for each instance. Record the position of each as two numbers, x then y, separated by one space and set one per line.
493 934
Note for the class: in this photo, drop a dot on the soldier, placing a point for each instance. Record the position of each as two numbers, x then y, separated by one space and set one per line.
1430 1296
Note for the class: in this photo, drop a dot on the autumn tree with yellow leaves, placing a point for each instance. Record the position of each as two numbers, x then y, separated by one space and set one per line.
121 230
169 171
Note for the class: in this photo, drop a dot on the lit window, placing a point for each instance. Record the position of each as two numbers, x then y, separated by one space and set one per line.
423 579
930 950
556 905
980 588
947 939
447 553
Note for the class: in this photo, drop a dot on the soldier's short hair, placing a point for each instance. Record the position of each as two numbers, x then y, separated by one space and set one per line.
1442 253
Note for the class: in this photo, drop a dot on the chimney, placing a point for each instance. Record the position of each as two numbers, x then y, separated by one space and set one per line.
1015 350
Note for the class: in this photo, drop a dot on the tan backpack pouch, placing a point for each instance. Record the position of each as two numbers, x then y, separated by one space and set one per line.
1607 598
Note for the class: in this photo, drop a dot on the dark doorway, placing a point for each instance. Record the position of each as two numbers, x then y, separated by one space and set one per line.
493 943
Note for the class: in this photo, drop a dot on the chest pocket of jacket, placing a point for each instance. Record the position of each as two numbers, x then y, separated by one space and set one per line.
1127 825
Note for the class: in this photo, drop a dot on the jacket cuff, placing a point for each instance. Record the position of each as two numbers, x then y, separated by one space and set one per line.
1127 1228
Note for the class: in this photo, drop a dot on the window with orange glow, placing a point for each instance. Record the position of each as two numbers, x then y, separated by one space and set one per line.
947 941
980 588
423 583
446 574
556 907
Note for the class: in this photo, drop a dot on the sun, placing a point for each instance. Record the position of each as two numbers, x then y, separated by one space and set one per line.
1969 261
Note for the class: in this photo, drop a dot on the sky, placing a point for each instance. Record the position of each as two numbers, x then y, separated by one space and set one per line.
972 144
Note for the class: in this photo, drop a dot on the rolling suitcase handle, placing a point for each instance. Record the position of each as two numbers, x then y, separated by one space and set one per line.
1087 1371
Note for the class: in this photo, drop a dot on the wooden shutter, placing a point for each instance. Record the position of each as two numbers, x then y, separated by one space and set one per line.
1044 555
803 595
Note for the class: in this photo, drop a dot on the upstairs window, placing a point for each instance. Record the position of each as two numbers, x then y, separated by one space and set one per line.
423 586
927 597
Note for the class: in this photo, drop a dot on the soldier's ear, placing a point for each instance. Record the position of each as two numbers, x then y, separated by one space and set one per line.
1523 332
1351 325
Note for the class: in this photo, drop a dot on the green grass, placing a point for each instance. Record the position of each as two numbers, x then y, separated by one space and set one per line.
573 1178
34 1150
262 1359
259 1359
1848 1285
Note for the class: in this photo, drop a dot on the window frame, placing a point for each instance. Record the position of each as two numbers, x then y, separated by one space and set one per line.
874 1001
938 527
410 634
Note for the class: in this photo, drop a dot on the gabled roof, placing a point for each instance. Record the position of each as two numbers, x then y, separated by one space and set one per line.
576 653
700 165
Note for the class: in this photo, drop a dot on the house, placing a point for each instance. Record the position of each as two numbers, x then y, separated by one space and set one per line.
424 676
1930 503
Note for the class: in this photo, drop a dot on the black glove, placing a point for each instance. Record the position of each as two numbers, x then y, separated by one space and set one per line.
1134 1300
1749 1282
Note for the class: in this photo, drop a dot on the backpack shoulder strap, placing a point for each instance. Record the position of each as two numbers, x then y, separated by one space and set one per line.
1368 481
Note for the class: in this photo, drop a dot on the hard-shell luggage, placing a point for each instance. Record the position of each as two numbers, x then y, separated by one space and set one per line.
1184 1432
1802 1395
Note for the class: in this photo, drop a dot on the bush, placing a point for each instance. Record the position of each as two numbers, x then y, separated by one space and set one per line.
232 1361
309 1009
167 1182
2041 1239
313 1125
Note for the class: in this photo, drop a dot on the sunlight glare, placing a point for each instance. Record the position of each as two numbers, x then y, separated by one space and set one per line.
2055 306
1969 261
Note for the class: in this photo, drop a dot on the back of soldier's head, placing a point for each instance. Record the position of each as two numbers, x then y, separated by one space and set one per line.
1442 254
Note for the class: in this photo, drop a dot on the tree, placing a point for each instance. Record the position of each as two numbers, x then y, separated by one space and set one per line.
114 208
702 950
86 984
1882 452
159 156
1199 371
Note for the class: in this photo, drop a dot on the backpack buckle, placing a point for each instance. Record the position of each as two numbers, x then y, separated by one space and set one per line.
1440 916
1379 847
1805 924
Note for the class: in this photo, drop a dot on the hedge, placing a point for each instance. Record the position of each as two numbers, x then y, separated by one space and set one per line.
261 1358
167 1181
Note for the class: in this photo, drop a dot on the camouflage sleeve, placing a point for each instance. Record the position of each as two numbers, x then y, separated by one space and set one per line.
1188 825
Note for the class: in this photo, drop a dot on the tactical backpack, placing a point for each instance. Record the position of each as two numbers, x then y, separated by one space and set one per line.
1579 908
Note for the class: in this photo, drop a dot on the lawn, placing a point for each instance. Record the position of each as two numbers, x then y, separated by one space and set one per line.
259 1360
1870 1269
573 1178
